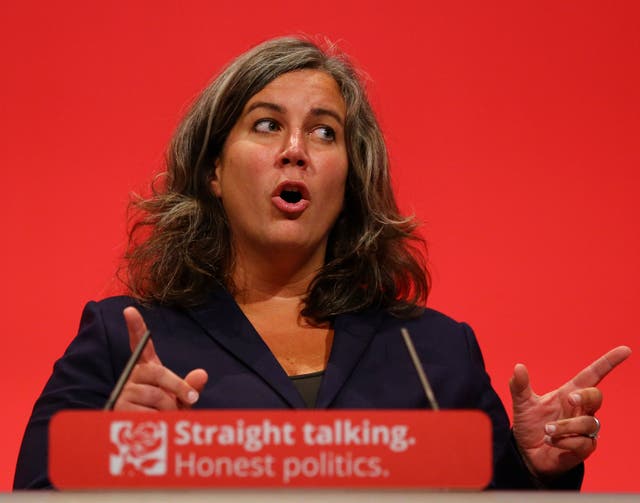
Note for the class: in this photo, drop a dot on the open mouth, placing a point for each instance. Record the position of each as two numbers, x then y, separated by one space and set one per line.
291 195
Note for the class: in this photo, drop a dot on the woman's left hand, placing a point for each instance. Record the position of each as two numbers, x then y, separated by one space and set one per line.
557 431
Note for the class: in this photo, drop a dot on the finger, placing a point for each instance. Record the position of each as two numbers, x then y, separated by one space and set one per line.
580 446
137 327
594 373
586 401
161 377
196 379
576 426
519 385
145 397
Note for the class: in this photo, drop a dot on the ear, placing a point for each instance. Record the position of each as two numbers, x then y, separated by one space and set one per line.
214 183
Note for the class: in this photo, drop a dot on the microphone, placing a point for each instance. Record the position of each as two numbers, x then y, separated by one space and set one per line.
428 391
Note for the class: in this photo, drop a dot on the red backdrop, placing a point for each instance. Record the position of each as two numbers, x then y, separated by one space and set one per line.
513 129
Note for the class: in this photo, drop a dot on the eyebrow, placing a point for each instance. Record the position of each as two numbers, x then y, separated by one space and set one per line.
264 104
317 112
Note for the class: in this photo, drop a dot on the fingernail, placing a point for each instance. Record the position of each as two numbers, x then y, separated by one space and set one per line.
550 429
575 398
192 396
547 439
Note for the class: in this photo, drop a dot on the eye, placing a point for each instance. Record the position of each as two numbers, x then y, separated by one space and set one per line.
325 133
266 126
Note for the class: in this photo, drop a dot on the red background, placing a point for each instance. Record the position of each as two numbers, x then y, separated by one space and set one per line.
513 129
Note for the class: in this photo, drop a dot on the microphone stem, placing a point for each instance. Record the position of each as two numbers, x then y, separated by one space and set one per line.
428 391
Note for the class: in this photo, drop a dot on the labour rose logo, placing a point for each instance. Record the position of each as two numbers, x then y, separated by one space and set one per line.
142 448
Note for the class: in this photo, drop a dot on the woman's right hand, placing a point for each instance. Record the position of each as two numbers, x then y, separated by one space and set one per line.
151 385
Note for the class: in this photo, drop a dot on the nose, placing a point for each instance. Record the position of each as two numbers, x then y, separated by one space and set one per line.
294 151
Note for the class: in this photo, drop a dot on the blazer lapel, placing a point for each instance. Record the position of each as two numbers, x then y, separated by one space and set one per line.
353 333
223 321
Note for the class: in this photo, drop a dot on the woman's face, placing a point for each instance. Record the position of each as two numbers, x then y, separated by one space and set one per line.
281 175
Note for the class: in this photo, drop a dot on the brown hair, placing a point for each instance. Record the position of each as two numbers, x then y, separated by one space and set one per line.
179 243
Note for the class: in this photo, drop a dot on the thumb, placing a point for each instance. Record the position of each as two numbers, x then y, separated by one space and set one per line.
520 386
197 379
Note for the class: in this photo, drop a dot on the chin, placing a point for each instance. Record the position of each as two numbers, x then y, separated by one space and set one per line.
292 243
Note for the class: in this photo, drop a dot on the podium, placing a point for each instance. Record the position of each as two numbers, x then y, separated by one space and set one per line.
271 449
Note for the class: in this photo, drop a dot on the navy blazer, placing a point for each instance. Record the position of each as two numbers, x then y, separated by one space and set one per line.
369 367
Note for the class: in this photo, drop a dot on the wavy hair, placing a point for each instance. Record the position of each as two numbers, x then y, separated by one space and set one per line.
179 240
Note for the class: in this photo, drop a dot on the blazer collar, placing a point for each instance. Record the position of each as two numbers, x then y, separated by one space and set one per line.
353 334
223 320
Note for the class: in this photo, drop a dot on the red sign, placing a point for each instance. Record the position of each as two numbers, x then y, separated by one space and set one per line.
267 448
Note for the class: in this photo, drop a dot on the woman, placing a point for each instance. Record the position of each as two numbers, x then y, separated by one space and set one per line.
274 270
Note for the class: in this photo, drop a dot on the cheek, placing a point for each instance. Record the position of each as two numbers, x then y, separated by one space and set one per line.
245 164
338 181
230 172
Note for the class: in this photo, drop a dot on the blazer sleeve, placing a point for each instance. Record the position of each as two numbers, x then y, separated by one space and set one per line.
82 379
509 469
